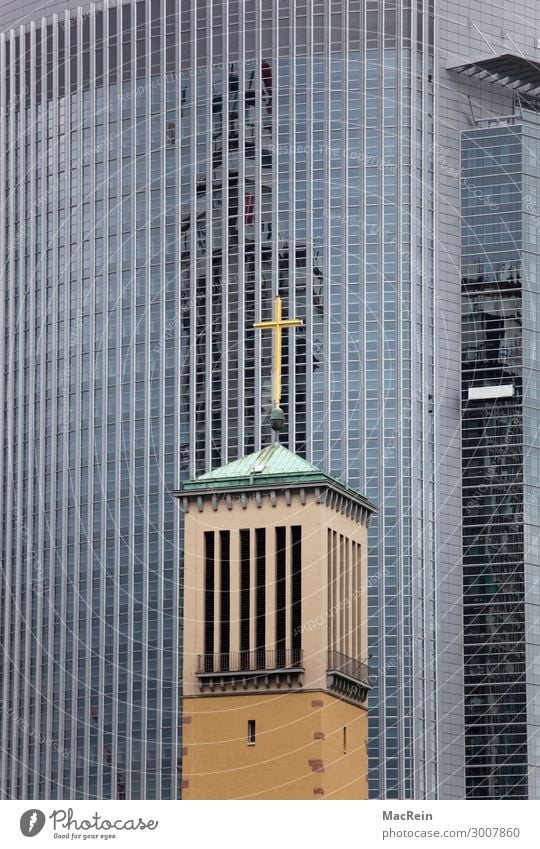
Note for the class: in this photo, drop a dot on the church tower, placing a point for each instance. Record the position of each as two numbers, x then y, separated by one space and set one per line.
275 678
275 632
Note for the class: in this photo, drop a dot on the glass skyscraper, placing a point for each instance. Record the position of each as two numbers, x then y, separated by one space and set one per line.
501 265
90 419
165 168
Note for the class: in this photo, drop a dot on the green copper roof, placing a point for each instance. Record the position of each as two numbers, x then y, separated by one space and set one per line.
273 464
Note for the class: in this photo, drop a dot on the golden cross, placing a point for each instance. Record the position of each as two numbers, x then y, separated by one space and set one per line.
276 325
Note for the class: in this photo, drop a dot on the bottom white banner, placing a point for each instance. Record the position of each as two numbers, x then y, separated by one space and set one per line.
290 824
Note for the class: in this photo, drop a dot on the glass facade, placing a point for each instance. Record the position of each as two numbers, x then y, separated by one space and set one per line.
90 372
165 169
500 267
303 172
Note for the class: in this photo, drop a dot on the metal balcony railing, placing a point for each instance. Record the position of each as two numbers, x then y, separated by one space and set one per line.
259 660
358 670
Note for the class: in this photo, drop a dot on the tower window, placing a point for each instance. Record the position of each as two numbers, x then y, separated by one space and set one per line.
260 596
344 739
209 572
244 597
281 597
225 598
296 612
251 732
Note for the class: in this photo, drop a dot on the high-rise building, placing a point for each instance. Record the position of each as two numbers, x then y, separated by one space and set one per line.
165 168
501 303
490 121
90 591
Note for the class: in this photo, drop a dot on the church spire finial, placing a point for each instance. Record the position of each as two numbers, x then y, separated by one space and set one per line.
276 325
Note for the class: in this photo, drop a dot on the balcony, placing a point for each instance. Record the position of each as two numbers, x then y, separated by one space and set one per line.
250 670
348 677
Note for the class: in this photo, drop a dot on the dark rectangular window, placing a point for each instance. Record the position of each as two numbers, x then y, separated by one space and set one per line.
296 612
281 596
225 599
251 732
73 53
244 595
140 44
99 48
49 57
260 594
28 64
126 42
113 46
209 577
170 33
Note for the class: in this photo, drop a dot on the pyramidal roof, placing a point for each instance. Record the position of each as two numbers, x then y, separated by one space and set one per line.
273 464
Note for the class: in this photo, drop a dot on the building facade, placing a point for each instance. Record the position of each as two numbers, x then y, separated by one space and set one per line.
164 170
487 166
501 261
90 426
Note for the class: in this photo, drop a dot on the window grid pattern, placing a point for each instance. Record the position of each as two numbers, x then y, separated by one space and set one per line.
236 149
89 537
500 265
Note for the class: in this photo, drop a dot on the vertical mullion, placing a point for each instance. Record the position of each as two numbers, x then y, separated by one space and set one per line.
63 314
4 118
290 362
223 229
78 602
361 650
329 624
18 364
43 519
355 601
327 283
275 153
160 265
342 619
310 259
347 599
194 378
259 199
206 260
104 373
242 285
35 587
52 310
345 285
7 258
334 608
143 115
211 325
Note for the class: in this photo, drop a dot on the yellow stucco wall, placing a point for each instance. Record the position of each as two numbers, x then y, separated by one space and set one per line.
298 752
